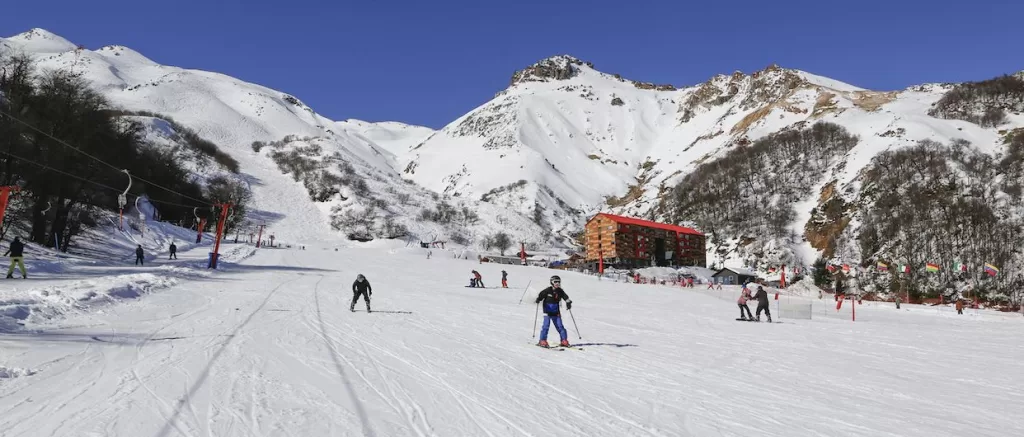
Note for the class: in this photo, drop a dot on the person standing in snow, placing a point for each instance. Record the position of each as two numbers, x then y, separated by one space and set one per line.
551 297
479 279
17 253
139 253
762 304
959 305
742 302
361 288
504 279
174 251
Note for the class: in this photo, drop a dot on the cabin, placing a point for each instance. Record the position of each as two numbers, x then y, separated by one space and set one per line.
730 276
627 242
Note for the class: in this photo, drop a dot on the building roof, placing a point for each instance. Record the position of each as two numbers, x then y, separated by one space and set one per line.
738 272
649 224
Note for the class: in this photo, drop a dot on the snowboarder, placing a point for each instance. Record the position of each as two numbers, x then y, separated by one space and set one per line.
139 253
361 288
762 304
479 279
504 279
17 253
174 251
742 302
552 314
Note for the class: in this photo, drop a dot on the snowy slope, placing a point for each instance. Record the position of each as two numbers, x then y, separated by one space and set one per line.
393 136
235 114
268 348
595 141
563 141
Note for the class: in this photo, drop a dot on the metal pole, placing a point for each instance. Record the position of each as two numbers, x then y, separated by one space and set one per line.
524 292
574 325
535 314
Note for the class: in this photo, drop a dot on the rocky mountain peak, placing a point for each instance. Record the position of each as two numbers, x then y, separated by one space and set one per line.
561 67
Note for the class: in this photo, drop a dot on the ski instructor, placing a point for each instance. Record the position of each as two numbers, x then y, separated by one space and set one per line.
361 288
551 297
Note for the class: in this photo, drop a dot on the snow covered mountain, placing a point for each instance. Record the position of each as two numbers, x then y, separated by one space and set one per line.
563 141
285 150
584 141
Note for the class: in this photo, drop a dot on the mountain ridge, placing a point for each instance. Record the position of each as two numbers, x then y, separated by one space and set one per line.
562 141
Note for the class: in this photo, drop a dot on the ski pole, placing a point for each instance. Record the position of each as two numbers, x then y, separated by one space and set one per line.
535 314
524 292
574 325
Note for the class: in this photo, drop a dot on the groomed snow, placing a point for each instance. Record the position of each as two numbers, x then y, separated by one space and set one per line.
268 347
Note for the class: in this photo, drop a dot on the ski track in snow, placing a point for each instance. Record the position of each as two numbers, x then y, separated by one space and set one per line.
267 348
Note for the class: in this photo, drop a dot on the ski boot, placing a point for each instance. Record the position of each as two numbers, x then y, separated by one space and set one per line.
758 318
352 308
564 343
769 320
543 343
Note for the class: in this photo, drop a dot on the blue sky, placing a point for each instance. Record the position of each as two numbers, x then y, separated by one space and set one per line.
428 62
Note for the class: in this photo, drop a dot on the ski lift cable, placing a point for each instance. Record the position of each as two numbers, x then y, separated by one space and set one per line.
116 190
64 143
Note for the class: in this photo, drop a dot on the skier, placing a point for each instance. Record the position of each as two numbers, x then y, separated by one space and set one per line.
17 253
959 305
174 251
479 279
762 304
742 303
552 314
139 253
361 288
504 279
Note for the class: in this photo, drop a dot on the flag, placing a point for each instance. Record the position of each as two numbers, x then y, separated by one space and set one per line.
960 267
991 270
931 267
831 268
905 269
883 266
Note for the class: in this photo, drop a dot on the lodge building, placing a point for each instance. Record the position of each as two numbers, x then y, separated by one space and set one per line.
628 242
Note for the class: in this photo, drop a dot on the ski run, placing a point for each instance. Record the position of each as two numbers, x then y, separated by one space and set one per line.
266 346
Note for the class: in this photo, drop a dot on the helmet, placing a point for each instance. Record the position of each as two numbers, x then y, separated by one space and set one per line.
555 279
360 277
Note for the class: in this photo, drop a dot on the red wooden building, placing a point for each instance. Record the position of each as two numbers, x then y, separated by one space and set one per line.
629 242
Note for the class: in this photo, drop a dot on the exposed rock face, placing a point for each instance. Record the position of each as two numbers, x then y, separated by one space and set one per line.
560 67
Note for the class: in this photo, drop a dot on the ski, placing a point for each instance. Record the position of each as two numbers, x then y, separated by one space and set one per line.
558 347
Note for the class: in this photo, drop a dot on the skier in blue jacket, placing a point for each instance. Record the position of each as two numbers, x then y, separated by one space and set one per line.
551 297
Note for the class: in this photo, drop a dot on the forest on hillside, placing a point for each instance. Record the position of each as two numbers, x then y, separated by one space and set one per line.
66 148
749 193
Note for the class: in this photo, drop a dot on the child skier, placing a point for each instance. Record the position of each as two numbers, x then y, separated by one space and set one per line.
504 279
762 304
479 279
552 314
742 302
361 288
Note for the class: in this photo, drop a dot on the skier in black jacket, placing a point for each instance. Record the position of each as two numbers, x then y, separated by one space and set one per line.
139 253
762 304
361 288
17 253
551 297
